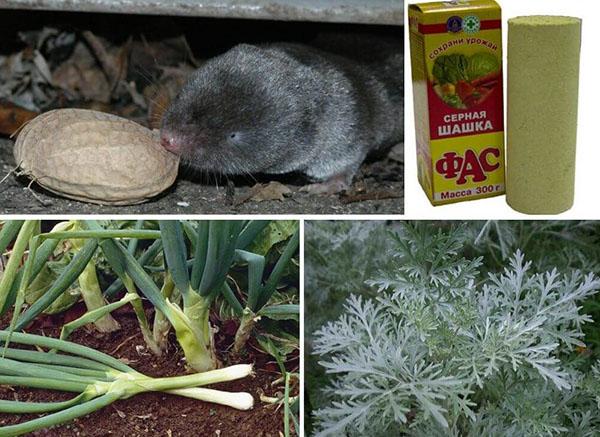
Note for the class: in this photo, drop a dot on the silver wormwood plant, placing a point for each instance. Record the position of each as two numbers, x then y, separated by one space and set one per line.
444 352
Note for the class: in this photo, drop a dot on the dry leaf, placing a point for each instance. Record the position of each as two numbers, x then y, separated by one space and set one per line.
12 117
272 191
81 78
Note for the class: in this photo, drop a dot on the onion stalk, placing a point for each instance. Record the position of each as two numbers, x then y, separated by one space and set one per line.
99 380
259 291
88 280
214 246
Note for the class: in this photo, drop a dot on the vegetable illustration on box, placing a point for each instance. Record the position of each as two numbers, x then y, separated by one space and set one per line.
465 82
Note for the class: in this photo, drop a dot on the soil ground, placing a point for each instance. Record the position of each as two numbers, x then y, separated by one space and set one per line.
156 414
378 189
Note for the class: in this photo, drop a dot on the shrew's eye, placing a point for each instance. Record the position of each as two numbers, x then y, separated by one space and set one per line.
234 137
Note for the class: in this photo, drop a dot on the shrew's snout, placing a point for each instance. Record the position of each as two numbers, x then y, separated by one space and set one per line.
171 142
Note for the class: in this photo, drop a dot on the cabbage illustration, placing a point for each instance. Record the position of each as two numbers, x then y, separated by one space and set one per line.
482 64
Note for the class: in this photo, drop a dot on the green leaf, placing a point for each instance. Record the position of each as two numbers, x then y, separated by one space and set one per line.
10 271
251 230
44 280
210 271
9 231
256 267
278 346
94 315
62 283
200 254
276 232
147 257
42 254
133 243
274 350
281 312
232 300
175 252
222 239
278 270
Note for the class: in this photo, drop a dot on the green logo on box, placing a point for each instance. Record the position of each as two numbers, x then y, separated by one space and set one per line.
471 24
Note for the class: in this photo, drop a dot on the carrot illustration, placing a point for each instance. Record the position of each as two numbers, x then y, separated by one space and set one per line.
488 80
464 89
479 96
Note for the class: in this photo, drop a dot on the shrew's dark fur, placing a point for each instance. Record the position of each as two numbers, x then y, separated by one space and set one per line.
284 107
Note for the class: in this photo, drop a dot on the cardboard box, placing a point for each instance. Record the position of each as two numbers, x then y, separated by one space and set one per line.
456 58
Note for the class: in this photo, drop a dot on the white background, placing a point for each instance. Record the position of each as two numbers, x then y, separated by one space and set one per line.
587 184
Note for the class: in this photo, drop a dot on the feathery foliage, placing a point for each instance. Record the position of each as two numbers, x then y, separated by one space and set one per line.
449 346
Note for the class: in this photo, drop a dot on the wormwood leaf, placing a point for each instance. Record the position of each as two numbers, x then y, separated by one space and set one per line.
443 349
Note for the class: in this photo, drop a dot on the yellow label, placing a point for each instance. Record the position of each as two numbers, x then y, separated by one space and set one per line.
456 59
467 168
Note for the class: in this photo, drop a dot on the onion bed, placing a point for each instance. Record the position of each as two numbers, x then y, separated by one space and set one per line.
186 269
99 380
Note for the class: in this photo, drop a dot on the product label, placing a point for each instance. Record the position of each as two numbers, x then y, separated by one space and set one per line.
465 169
465 84
456 54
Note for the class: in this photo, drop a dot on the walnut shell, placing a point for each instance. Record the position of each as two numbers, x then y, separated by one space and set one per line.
95 157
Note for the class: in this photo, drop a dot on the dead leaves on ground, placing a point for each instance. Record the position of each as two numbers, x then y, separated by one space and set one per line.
12 117
260 192
136 78
277 191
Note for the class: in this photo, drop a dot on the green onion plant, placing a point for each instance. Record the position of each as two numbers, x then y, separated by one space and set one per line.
182 268
197 257
260 290
97 378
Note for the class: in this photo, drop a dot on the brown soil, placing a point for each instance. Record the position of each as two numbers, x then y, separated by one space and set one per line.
156 414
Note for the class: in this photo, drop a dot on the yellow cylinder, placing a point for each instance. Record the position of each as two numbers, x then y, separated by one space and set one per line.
543 83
